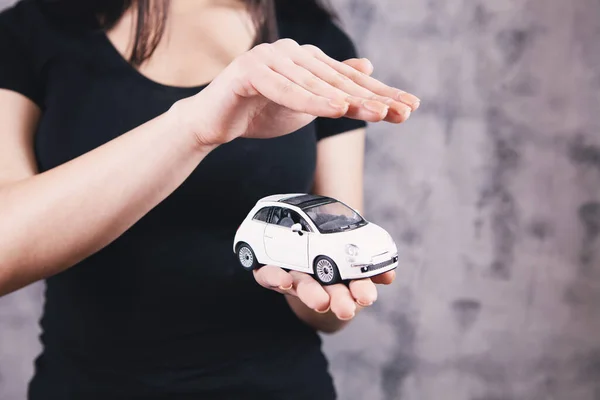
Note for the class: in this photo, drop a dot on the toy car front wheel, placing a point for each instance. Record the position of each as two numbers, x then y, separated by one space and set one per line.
246 257
326 271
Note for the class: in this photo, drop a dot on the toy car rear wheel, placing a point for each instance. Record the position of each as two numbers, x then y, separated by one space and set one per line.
246 257
326 271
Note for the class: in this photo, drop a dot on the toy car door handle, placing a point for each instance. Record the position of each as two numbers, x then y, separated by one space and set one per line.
268 237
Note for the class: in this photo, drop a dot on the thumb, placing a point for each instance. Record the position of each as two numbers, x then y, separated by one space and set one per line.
361 64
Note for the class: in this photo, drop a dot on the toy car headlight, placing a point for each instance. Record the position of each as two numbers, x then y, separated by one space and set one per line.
351 250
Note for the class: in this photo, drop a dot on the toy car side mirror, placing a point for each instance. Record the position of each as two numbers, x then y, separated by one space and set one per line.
297 228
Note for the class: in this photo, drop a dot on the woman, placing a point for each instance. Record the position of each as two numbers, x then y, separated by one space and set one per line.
129 154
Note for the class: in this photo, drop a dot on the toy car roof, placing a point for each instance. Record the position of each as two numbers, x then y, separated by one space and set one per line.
300 200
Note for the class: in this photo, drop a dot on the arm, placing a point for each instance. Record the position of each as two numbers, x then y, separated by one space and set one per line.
339 171
339 174
52 220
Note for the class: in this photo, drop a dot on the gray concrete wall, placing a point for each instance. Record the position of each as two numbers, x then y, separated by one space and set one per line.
493 193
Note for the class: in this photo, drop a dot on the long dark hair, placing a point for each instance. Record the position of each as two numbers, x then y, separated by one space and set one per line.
152 16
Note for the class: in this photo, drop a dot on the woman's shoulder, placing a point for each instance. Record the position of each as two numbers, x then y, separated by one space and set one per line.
29 27
21 19
40 21
21 46
30 37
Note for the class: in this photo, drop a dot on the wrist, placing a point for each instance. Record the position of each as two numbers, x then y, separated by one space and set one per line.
187 124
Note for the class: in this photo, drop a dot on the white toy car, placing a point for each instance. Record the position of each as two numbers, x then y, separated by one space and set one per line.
313 234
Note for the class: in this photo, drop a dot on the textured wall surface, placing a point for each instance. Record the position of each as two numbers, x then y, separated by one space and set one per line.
492 191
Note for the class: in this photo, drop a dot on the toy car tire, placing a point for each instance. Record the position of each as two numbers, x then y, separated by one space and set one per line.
246 257
326 271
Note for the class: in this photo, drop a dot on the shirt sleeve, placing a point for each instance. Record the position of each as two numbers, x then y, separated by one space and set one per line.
339 46
16 66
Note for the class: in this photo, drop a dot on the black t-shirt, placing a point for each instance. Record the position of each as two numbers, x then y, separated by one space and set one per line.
164 311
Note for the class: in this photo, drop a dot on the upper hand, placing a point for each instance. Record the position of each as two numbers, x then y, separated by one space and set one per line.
277 88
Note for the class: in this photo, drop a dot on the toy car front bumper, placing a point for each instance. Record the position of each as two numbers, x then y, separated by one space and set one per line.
365 270
380 265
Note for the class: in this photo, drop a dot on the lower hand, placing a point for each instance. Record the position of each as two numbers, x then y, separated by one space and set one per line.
341 300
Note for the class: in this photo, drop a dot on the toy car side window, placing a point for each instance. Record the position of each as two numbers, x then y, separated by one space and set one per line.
275 216
302 221
297 219
286 218
262 214
291 217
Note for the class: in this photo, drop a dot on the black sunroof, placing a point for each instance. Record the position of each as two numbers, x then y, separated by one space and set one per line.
304 200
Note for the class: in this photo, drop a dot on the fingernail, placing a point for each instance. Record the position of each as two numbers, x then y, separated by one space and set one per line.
407 98
360 303
286 288
323 311
347 318
376 107
354 101
339 104
416 105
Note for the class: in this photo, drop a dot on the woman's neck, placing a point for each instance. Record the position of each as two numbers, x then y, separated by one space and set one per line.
195 7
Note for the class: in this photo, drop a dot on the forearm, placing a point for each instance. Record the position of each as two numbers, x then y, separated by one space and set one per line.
326 322
50 221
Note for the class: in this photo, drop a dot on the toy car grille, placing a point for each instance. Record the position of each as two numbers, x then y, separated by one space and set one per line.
380 265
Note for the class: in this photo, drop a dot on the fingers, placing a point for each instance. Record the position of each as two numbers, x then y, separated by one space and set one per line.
342 303
342 300
385 278
304 79
364 292
360 64
363 104
362 99
310 292
366 81
286 93
274 278
311 81
304 82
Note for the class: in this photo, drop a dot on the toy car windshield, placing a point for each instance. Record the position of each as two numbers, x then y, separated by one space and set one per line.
333 216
